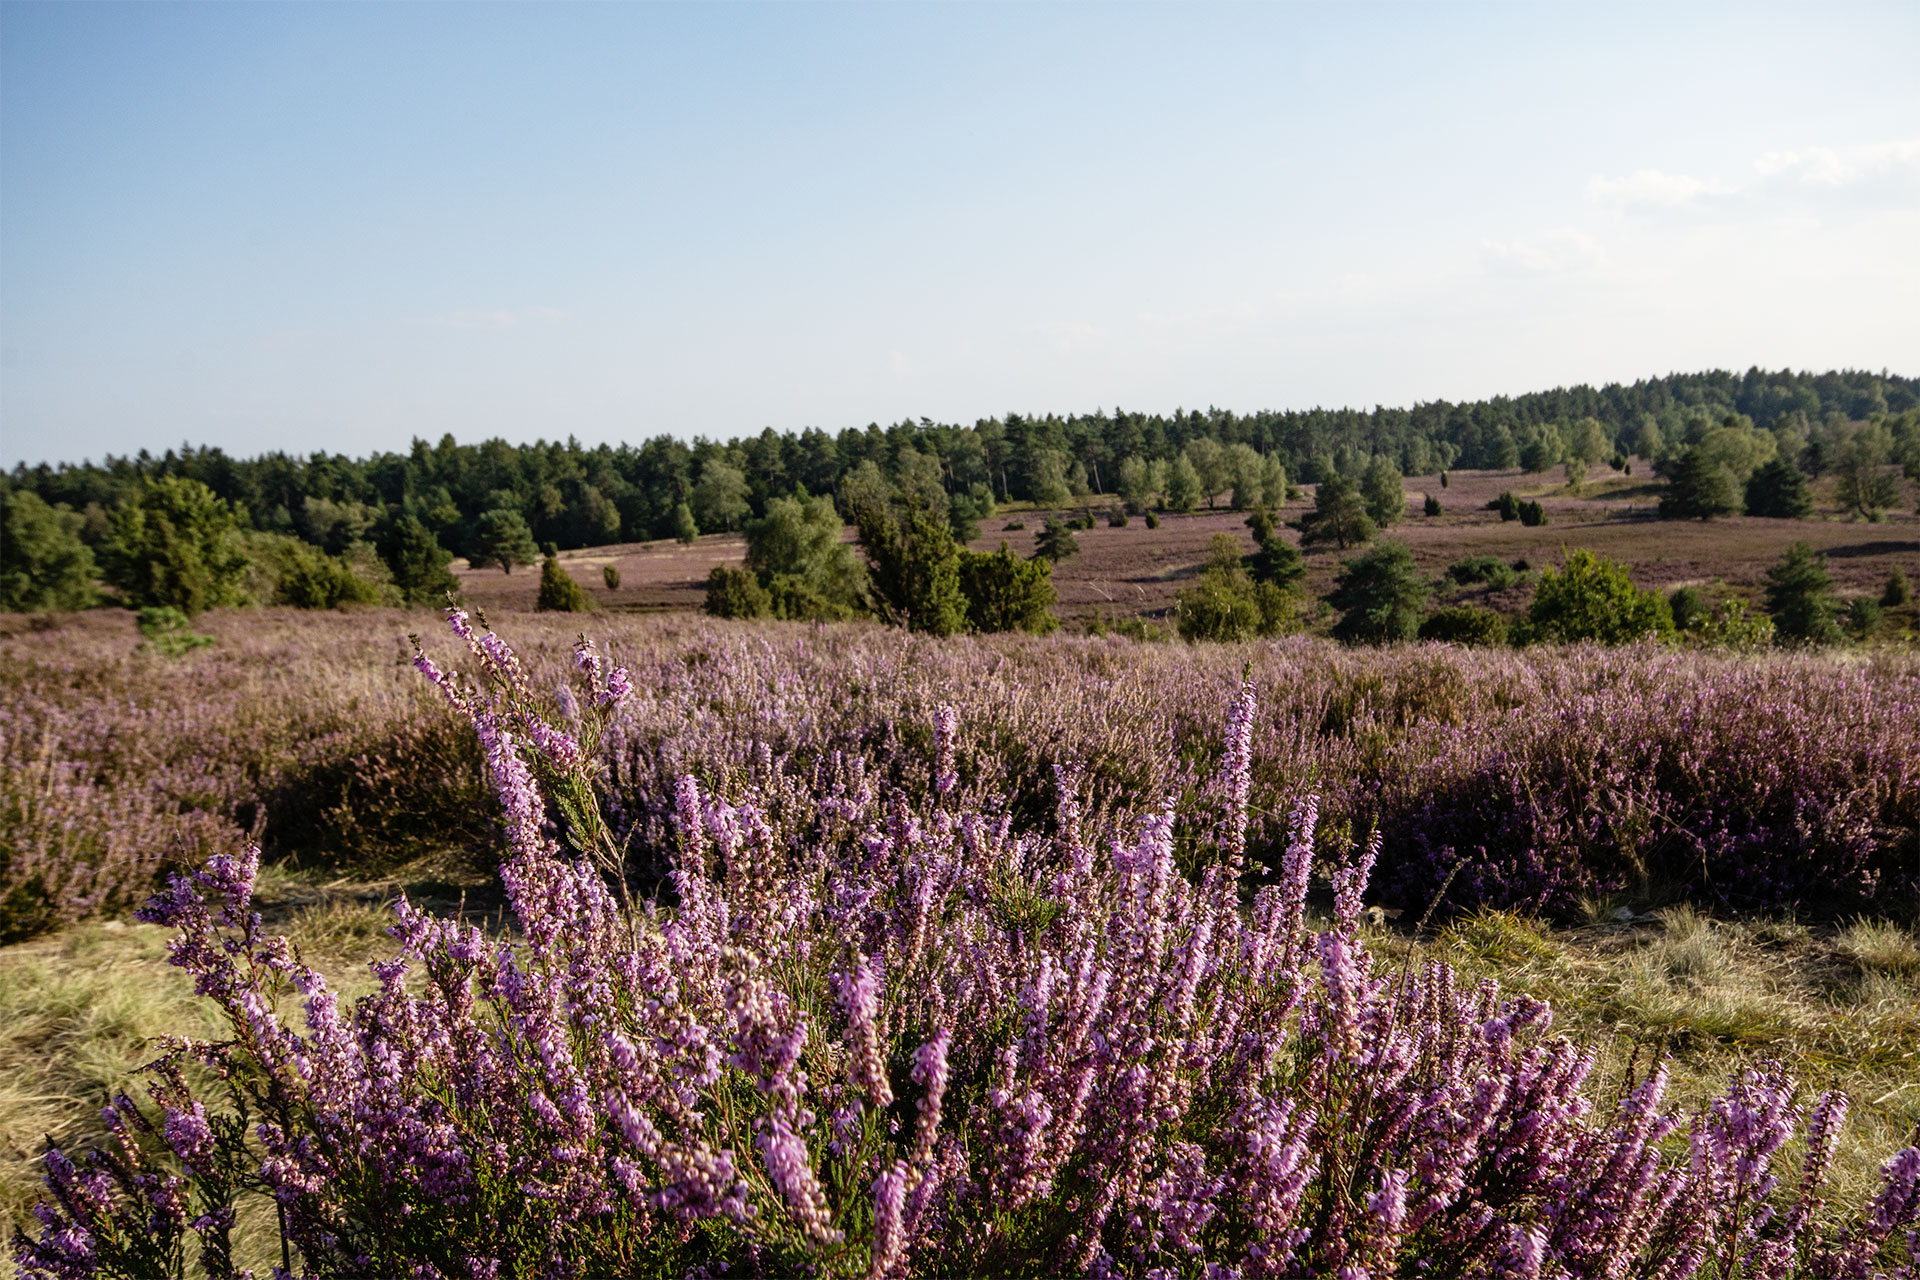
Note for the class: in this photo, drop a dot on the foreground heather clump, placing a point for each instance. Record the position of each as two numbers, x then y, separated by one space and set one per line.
886 1025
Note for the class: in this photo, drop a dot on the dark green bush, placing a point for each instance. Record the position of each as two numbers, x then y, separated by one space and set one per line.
311 579
732 592
175 543
1779 490
559 593
610 574
1490 570
1381 596
1863 617
1227 604
1465 625
1507 505
1689 608
1532 514
1005 593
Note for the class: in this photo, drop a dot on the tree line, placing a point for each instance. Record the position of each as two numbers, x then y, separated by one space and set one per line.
326 527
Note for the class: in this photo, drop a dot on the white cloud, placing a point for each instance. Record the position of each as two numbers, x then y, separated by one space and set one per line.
1555 252
1652 187
1843 166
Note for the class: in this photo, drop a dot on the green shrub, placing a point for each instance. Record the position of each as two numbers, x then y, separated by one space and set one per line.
1117 518
912 563
43 563
1381 596
1430 504
1863 617
1490 570
1227 605
610 574
1507 505
166 631
1592 598
796 552
1005 593
1732 625
1896 592
1153 520
732 592
559 593
1013 526
964 513
1382 493
311 579
1278 562
1263 522
1532 514
685 529
1465 625
174 543
1799 598
1689 608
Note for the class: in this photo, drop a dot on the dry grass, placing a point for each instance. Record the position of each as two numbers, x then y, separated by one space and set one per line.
82 1011
78 1016
1839 1007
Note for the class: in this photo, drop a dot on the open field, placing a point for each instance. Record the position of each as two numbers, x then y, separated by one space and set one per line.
1706 859
1137 571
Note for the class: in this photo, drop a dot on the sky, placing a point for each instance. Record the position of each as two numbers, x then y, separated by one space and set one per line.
314 226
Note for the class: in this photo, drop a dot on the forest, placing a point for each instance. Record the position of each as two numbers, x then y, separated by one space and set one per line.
575 496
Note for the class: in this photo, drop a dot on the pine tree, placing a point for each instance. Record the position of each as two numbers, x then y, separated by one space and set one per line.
1339 515
1381 596
1800 600
417 561
1779 490
1056 543
501 537
1699 489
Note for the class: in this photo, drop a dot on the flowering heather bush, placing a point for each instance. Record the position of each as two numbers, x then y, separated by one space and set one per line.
895 1028
1533 778
115 764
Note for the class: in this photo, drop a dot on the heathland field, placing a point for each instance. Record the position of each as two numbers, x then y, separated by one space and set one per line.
1137 571
837 948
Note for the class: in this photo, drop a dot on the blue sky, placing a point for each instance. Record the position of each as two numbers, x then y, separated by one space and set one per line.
339 226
